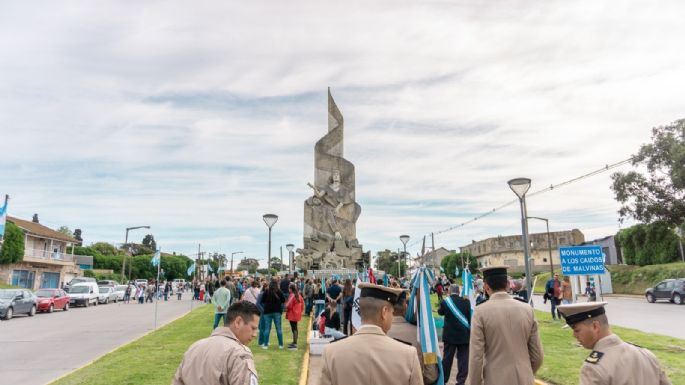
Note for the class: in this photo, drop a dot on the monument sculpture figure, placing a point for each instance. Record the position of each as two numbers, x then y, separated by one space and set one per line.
331 213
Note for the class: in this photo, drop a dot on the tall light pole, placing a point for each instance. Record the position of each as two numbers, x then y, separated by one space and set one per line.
679 232
404 239
123 259
290 248
270 220
232 254
520 187
549 245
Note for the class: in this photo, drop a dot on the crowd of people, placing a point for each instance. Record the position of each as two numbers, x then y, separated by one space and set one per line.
495 343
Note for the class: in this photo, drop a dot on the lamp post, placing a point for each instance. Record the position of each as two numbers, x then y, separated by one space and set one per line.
404 239
290 248
270 220
520 187
123 259
549 244
232 254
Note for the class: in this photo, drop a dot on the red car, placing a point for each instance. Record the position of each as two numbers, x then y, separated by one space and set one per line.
51 299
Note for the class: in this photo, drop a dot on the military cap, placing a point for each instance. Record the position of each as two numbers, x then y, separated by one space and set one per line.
578 312
492 271
380 292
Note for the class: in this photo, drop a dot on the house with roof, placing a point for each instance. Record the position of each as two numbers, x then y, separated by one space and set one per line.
47 261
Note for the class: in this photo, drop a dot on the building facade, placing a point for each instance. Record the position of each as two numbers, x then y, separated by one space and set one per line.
508 250
47 262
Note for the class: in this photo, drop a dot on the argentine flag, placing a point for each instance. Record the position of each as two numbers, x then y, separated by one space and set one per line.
3 217
191 269
156 258
467 287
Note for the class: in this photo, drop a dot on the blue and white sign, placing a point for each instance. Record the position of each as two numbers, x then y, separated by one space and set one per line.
581 260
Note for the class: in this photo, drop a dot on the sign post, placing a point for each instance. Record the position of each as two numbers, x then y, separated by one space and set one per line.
583 260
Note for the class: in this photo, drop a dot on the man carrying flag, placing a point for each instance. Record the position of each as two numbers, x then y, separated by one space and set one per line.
455 334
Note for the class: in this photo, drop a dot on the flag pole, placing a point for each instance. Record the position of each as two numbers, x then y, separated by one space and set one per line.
159 264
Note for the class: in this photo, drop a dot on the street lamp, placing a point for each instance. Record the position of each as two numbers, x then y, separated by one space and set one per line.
520 187
404 239
549 244
232 254
123 259
290 248
270 220
679 232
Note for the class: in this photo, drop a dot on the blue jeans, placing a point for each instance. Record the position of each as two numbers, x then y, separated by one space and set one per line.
262 331
217 317
308 302
276 317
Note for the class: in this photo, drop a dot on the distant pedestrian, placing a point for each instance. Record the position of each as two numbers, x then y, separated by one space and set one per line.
553 290
332 321
294 309
202 292
127 294
223 358
590 292
272 302
348 299
140 293
308 294
252 293
221 300
439 290
566 291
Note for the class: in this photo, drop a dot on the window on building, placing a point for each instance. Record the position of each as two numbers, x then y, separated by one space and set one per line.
23 278
562 240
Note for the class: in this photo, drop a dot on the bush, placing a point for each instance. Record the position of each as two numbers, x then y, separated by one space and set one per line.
13 245
450 262
648 244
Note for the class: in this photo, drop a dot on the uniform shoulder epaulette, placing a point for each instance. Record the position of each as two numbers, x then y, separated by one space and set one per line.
339 339
520 299
402 341
594 357
636 345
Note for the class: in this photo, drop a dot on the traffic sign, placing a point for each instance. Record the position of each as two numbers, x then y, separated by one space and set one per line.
581 260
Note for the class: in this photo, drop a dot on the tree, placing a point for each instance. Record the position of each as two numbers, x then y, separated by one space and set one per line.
65 230
13 245
77 236
386 260
659 193
276 264
149 241
650 244
453 260
249 264
105 248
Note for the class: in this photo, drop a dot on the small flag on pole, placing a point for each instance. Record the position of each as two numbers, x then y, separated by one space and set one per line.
385 280
156 258
191 269
3 218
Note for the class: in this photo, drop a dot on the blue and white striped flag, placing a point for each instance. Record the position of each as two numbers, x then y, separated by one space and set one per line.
467 287
209 268
3 218
385 280
428 335
191 269
156 258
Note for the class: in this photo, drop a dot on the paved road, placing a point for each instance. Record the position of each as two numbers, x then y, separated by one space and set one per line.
661 317
39 349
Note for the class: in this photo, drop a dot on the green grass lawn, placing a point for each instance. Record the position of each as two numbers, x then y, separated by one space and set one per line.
154 358
564 356
6 286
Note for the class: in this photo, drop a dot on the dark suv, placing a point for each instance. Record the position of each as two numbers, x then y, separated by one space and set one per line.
670 289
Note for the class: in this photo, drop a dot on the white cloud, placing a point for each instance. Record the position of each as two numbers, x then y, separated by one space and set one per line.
199 118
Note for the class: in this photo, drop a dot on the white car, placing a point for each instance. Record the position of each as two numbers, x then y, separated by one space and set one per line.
84 293
106 294
141 282
120 291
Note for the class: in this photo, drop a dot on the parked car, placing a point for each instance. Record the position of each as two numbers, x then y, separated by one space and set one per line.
669 289
120 291
106 294
107 282
141 282
51 299
16 301
84 293
78 280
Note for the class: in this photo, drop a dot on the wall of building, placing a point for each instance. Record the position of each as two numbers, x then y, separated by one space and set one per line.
65 272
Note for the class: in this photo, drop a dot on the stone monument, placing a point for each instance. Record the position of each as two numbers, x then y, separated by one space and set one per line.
331 213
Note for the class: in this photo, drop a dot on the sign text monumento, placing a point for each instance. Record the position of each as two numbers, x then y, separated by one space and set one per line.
581 260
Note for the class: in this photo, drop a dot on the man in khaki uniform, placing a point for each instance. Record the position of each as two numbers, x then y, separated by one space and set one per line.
223 358
405 332
612 361
504 346
370 356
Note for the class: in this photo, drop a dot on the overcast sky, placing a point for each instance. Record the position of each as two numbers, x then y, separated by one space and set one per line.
198 117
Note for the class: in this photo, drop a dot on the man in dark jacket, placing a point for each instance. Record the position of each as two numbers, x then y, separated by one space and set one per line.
455 335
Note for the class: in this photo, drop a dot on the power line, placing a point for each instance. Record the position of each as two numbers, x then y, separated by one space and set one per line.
547 189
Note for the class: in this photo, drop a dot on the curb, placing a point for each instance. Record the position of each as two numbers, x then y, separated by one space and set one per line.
304 373
118 347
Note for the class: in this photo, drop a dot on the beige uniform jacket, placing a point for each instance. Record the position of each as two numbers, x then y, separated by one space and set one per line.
369 357
504 345
217 360
614 362
403 330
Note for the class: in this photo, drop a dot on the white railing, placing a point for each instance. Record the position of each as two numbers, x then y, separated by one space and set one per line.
49 255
